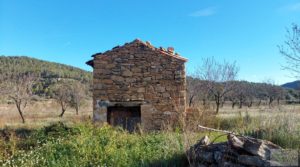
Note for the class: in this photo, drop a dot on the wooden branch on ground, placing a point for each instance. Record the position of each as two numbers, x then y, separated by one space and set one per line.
216 130
246 139
225 131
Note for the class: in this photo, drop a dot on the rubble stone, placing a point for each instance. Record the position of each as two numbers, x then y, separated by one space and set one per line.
234 153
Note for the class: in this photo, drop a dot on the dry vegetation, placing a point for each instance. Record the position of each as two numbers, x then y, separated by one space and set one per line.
41 113
107 146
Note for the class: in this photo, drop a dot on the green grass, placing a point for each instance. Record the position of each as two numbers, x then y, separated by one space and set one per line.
86 145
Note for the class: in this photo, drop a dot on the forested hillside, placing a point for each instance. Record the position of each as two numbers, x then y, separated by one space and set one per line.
24 65
48 73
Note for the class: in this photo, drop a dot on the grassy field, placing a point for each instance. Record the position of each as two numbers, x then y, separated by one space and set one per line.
85 145
42 113
47 140
279 124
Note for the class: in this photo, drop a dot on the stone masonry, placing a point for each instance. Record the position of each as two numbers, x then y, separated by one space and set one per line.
138 74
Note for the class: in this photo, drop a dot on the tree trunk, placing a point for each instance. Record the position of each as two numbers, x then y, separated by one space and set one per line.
270 101
21 113
218 104
63 112
233 104
77 110
259 103
204 102
250 104
241 104
191 101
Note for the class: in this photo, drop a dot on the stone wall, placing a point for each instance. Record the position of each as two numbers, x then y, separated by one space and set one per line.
138 72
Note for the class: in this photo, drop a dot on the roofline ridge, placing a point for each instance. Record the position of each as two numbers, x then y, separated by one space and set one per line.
147 44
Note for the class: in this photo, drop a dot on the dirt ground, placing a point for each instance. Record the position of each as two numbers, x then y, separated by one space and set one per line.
47 111
40 113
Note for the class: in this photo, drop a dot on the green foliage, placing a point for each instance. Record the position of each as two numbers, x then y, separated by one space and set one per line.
87 145
44 69
48 72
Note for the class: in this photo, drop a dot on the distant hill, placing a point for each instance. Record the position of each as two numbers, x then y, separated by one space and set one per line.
48 72
292 85
44 69
244 89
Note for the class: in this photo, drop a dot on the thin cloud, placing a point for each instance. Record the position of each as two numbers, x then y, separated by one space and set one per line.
204 12
292 7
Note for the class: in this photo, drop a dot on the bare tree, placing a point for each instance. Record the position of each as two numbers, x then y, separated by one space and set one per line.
192 85
219 77
261 93
204 94
196 91
239 94
63 96
232 97
19 89
272 91
251 93
77 95
280 94
241 90
291 50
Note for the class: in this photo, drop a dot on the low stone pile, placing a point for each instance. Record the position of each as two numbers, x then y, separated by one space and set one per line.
238 151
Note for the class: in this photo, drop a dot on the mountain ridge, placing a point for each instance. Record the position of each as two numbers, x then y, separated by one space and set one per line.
292 85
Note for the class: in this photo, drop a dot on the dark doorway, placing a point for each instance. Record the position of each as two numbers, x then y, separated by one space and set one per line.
125 117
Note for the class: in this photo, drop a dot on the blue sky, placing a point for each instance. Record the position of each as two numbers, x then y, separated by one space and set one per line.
70 31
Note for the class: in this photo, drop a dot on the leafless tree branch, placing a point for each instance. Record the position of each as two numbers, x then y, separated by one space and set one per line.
291 50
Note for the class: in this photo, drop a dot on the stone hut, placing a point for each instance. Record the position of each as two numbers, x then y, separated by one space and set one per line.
138 84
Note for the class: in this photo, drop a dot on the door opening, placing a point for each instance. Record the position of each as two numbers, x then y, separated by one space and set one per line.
126 117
